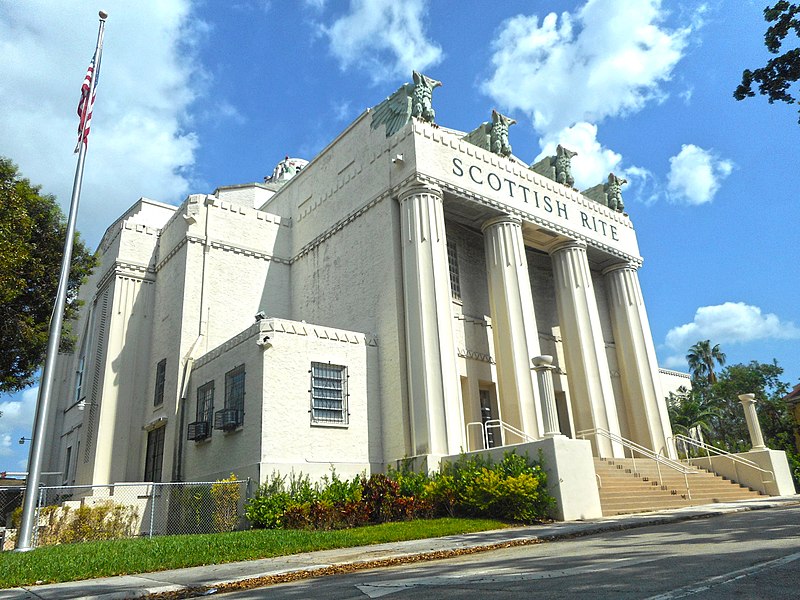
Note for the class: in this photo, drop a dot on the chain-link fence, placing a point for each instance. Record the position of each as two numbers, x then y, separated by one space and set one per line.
67 514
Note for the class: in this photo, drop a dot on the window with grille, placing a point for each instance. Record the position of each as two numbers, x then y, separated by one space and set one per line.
161 374
231 417
452 260
201 428
328 393
205 402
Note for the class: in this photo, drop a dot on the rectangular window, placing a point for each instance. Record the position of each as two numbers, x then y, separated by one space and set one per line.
201 428
205 402
67 465
154 455
328 393
452 260
232 416
161 373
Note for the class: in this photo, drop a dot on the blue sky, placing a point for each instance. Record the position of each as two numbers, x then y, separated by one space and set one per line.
198 94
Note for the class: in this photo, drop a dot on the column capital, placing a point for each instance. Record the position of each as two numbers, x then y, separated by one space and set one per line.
747 398
569 245
501 219
543 363
627 265
416 187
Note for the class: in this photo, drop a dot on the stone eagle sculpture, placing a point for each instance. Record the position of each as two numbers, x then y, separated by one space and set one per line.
410 100
492 136
558 167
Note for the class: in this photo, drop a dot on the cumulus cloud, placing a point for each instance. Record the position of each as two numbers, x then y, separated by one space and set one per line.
140 144
607 59
5 445
385 37
18 410
594 161
728 323
695 175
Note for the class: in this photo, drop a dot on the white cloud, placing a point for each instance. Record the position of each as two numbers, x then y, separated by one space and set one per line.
139 144
18 411
385 37
729 323
608 59
5 445
695 175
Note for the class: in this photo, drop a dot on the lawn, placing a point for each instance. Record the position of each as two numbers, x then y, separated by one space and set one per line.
71 562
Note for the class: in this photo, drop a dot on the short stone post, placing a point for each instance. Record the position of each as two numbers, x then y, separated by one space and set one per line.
753 426
543 365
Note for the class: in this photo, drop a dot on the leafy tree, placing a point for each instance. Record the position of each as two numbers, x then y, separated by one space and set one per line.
690 412
701 358
777 76
32 233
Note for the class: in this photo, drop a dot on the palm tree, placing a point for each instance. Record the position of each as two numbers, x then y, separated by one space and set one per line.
701 358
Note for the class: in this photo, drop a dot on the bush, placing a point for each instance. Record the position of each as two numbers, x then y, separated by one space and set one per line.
515 489
226 494
103 521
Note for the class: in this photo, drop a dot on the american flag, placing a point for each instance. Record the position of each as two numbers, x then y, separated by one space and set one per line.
86 104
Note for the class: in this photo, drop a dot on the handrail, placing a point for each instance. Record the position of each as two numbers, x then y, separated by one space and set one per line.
679 437
646 452
503 426
483 435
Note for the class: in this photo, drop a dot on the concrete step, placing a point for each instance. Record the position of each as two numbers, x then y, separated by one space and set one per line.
624 489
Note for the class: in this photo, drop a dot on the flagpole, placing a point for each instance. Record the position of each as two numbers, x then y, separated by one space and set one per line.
24 537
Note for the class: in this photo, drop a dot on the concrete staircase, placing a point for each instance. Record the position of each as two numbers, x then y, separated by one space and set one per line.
625 490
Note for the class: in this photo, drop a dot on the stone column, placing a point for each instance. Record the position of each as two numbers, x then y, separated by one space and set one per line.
543 365
588 372
644 401
753 426
516 339
437 421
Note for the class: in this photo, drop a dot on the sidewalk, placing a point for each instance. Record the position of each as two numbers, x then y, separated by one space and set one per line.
347 559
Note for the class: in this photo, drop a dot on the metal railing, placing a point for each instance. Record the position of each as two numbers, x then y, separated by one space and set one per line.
709 450
504 429
645 452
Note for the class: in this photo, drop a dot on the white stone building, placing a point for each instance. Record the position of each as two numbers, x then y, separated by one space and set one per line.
382 302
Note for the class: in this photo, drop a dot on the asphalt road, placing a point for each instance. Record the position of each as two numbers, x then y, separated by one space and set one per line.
744 555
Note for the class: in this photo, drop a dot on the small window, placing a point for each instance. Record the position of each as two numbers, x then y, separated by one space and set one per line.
452 260
232 416
328 393
161 373
154 455
205 402
201 428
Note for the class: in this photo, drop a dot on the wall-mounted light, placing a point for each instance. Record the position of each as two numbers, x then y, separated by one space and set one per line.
23 439
260 316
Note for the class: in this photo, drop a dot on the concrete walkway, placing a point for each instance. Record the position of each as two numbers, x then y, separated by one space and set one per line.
311 564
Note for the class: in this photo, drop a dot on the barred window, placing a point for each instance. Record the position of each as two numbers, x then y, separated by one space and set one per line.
328 393
161 373
234 388
452 260
205 402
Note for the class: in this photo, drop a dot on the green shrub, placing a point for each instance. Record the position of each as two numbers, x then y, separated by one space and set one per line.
102 521
226 494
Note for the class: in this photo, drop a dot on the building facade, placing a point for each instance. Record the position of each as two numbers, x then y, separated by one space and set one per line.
383 301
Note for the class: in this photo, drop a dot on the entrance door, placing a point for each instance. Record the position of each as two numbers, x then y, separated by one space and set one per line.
487 415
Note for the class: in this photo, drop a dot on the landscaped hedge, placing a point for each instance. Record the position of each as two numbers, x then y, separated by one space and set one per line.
514 489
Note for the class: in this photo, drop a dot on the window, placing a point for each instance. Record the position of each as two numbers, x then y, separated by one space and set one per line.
232 416
328 393
201 428
205 402
161 373
78 394
452 260
67 465
154 455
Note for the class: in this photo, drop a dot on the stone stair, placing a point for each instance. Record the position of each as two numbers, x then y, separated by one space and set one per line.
625 490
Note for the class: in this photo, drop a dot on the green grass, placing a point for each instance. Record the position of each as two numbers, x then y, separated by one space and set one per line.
71 562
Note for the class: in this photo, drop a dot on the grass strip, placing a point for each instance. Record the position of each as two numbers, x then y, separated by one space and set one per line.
72 562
